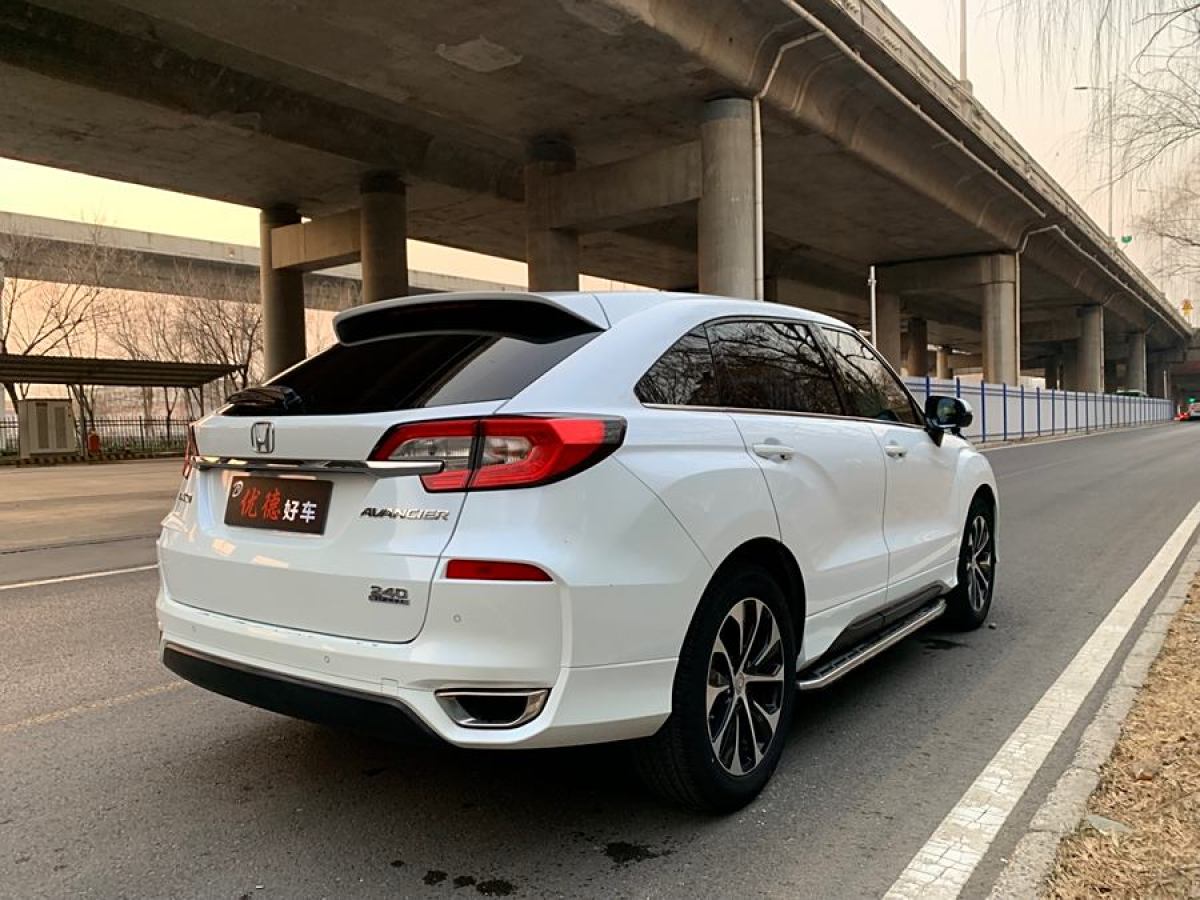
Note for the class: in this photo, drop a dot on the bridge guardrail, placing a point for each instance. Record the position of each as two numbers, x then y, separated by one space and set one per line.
1007 413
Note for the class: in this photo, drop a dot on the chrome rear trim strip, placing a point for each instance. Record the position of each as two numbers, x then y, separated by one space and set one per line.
372 468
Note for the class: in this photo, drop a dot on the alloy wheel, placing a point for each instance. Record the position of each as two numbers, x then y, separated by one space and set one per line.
745 686
980 561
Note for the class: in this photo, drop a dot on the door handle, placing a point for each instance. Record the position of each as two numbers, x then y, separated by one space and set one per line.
895 451
773 451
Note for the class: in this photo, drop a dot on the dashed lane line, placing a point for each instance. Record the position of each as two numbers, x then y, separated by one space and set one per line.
942 867
65 578
71 712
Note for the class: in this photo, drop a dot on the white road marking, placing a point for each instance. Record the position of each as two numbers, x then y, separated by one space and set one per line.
63 578
93 706
942 867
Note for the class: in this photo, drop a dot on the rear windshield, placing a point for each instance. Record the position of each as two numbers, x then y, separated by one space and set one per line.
414 371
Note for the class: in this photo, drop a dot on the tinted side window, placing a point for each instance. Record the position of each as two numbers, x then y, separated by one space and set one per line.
683 376
872 391
771 365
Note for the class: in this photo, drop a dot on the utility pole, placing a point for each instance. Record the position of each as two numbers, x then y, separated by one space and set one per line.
962 41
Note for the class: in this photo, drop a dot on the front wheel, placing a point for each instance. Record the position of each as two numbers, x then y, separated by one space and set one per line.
968 604
732 699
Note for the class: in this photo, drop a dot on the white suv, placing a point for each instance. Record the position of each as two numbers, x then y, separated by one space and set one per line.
525 520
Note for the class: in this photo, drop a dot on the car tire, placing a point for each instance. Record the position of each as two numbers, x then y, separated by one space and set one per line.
967 606
736 672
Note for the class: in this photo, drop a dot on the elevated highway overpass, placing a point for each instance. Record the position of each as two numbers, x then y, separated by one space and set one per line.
772 149
41 249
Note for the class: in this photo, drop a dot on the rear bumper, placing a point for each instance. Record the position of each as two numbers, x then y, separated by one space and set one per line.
295 697
390 689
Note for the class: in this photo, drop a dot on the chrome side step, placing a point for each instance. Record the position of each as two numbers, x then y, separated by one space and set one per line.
829 672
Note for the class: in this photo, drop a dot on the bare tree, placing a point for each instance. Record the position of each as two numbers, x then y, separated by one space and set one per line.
1145 53
152 327
1145 78
42 317
226 329
1176 223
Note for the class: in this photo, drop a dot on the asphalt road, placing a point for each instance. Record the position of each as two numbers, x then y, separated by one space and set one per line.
68 519
117 781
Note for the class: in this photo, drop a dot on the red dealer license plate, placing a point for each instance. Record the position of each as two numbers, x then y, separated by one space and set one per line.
281 504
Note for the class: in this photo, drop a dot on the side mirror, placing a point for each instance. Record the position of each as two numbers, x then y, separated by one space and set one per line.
948 413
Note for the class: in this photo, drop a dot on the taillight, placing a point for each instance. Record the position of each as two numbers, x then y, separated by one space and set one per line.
190 451
451 442
501 451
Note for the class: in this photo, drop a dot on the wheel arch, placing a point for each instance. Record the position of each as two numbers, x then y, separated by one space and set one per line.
774 556
986 493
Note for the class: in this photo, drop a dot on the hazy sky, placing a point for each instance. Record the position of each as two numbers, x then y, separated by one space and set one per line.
1040 109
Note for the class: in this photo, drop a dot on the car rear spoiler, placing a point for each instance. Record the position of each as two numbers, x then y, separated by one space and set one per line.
534 317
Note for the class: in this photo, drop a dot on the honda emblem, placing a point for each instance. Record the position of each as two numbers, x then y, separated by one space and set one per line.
262 436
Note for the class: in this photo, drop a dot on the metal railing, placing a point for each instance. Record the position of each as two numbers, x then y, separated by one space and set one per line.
118 435
1006 413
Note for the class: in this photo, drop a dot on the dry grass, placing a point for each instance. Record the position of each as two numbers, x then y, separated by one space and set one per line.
1151 784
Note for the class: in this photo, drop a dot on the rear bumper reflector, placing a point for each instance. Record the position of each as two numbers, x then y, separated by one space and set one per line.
486 570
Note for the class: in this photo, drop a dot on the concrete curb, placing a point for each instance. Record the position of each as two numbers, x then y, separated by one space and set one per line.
1033 859
74 459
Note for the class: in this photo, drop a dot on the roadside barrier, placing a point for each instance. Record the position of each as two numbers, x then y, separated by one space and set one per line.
1006 413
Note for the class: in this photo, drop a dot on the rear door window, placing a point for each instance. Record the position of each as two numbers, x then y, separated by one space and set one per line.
457 356
772 365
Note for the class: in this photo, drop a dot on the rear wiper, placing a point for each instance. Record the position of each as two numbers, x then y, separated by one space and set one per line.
267 397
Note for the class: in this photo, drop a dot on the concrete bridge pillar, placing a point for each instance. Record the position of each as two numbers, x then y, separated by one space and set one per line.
943 362
1091 349
1053 372
1070 366
552 254
917 362
1156 380
282 293
726 211
887 319
1135 367
383 237
1001 299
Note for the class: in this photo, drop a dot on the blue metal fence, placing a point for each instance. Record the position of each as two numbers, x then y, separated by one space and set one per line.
1004 413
